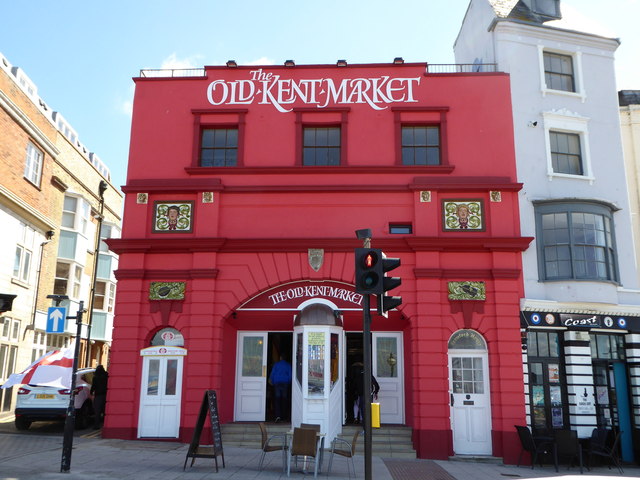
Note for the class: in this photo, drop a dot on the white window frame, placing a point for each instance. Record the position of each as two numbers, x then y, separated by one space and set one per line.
81 215
577 74
565 121
24 254
33 164
73 282
39 345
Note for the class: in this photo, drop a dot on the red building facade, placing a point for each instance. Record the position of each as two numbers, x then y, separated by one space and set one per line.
244 190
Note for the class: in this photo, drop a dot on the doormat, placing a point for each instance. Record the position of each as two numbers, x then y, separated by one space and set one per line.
416 469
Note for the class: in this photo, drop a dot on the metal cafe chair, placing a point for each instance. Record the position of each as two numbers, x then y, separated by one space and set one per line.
529 444
348 450
304 442
598 448
267 446
566 445
313 426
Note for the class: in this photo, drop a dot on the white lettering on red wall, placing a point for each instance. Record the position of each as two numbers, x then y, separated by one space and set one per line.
268 88
316 291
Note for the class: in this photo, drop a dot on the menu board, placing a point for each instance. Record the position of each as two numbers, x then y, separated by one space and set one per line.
210 406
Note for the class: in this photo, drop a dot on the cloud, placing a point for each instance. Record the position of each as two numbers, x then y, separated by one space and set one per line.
173 62
125 106
573 19
261 61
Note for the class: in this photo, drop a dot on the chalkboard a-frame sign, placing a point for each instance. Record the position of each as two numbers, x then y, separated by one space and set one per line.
209 404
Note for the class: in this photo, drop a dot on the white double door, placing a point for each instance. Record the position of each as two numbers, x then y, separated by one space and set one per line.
160 397
251 376
470 402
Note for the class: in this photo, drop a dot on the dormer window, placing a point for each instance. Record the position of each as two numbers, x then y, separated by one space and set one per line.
545 8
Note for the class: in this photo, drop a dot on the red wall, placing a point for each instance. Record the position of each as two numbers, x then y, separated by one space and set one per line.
270 210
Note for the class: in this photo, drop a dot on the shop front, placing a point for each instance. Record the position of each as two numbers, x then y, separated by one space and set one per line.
582 373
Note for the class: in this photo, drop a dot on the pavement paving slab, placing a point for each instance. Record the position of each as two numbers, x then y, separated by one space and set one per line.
37 457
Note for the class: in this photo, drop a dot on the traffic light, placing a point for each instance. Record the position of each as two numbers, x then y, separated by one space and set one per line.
386 303
369 272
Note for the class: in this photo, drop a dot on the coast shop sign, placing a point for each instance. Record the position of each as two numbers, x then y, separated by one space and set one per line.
268 88
579 321
289 296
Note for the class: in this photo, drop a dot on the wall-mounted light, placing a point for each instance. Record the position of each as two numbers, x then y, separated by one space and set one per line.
289 63
398 61
6 302
341 63
533 124
231 63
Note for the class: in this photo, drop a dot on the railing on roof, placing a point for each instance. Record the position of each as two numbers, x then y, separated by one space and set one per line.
173 72
461 67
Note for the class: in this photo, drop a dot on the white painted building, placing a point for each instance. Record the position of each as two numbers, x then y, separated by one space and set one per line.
629 101
581 312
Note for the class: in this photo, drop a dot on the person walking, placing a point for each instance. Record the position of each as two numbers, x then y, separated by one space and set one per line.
358 407
280 378
99 392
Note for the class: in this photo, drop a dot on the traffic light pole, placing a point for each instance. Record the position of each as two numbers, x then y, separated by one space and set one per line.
366 401
70 420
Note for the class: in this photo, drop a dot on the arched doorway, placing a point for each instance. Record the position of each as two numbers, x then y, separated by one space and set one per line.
161 385
470 399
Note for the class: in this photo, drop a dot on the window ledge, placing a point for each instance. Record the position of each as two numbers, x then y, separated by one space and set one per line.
20 283
244 170
549 91
580 280
587 178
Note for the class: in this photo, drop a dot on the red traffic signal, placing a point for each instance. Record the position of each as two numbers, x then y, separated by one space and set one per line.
368 262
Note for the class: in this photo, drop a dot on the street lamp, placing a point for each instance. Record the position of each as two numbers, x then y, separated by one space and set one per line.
102 187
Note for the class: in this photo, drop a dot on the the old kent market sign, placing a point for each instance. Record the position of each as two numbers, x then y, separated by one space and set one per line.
269 88
289 296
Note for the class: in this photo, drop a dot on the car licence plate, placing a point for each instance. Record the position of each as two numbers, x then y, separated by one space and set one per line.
45 395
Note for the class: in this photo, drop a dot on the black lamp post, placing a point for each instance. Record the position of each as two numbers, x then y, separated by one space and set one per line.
102 187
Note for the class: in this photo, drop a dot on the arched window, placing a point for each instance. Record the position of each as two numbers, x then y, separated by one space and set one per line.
467 340
169 337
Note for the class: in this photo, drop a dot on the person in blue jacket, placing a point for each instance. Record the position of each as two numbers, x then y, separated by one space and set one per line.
280 378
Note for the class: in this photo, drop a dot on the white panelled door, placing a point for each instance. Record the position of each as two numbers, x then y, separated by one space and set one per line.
389 372
251 377
160 394
470 403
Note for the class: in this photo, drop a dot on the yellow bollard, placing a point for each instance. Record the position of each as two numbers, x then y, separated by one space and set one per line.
375 415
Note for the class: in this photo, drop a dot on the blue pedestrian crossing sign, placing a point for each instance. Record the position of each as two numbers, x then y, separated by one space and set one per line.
56 319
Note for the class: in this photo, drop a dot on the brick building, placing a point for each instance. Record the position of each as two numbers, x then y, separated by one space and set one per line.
49 207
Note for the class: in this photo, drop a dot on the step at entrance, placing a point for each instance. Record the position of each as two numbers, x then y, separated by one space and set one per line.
390 441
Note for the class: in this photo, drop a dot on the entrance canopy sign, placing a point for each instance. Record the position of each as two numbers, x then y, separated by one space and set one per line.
163 351
290 296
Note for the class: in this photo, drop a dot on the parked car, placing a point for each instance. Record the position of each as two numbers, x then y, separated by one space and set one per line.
49 403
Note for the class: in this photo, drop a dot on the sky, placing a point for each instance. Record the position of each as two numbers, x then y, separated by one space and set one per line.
82 55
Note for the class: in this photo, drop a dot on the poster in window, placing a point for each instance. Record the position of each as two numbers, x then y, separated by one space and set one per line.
554 372
556 417
602 393
539 417
556 394
537 392
316 343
